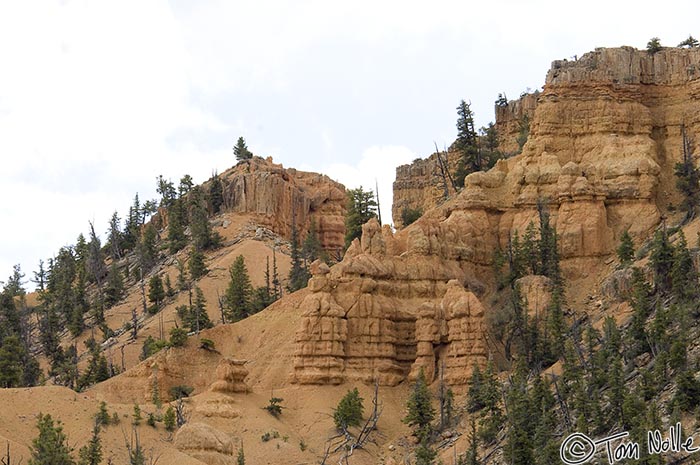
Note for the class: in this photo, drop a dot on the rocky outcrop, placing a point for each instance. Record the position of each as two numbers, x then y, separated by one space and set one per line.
386 310
161 372
280 197
605 134
513 121
205 443
230 377
604 137
449 336
420 186
536 292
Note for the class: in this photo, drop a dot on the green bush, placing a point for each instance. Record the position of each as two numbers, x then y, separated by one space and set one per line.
178 337
410 215
349 410
207 344
654 45
269 435
274 407
180 391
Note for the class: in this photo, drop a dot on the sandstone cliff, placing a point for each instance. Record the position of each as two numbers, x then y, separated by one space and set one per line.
511 118
278 197
420 185
604 136
393 306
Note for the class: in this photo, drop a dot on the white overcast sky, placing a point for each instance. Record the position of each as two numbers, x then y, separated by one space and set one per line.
98 98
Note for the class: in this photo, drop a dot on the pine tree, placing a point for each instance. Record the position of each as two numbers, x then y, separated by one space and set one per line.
312 248
216 194
517 261
490 152
97 369
240 150
545 447
176 226
238 293
11 368
240 458
102 415
182 281
132 225
661 259
80 306
298 274
549 252
169 419
616 393
50 447
688 177
149 208
146 248
166 189
114 237
198 318
264 294
625 251
136 416
683 275
556 324
475 394
361 207
472 455
196 264
531 250
169 291
91 454
156 293
467 144
114 288
518 449
136 453
420 410
690 42
425 455
203 237
95 260
641 306
185 186
654 46
349 411
276 283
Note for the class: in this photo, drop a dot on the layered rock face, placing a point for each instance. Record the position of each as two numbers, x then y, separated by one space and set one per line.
230 377
279 197
511 120
420 185
604 136
386 311
205 443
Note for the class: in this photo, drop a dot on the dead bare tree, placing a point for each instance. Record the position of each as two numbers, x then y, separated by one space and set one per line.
137 455
220 300
346 442
444 165
376 195
134 324
443 173
181 416
7 458
143 291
